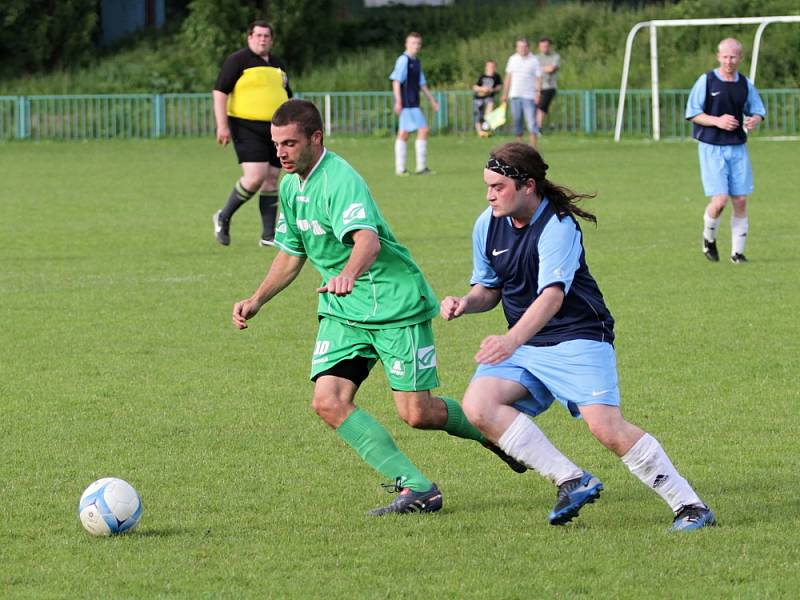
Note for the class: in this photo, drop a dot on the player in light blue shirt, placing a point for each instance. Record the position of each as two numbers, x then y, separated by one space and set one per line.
724 106
408 81
528 255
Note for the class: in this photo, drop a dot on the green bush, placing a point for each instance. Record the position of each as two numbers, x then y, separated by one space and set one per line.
326 55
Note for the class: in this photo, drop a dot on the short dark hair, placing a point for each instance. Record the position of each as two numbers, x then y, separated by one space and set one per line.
254 24
302 112
414 34
545 39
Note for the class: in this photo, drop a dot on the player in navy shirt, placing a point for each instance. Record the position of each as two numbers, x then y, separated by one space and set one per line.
408 80
528 254
723 107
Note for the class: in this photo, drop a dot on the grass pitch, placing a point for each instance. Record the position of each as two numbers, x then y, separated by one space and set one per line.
118 358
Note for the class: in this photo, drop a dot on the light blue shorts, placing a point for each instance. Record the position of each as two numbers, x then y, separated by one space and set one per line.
412 119
725 169
577 373
523 108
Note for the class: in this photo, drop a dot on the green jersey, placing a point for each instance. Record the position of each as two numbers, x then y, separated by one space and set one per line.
318 216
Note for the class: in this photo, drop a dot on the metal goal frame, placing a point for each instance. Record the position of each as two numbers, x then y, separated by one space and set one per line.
762 23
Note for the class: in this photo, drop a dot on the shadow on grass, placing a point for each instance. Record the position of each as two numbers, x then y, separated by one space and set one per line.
167 532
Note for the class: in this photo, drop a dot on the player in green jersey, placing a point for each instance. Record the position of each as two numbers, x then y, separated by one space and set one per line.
374 304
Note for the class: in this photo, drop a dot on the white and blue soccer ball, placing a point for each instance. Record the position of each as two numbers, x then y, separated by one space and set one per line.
109 506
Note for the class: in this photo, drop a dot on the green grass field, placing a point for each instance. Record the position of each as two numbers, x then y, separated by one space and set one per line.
118 358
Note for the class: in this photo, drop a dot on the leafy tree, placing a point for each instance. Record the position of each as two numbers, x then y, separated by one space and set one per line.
306 31
42 34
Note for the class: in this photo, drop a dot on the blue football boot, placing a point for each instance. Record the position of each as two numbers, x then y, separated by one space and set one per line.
693 517
572 495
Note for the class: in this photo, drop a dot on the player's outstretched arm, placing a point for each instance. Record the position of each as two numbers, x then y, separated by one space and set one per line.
282 272
366 247
497 348
479 299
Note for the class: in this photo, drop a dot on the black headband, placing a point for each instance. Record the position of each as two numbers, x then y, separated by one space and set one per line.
502 168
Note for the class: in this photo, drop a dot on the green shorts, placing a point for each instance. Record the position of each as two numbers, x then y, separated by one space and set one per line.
408 353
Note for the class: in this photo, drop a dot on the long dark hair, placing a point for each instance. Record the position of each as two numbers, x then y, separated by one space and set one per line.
525 158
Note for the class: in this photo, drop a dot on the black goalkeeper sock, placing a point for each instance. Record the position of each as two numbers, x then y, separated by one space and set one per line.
268 203
238 196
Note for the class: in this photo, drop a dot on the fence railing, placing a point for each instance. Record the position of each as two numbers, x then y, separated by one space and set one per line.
588 112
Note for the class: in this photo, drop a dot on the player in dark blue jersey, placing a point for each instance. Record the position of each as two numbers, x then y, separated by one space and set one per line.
724 106
408 81
528 255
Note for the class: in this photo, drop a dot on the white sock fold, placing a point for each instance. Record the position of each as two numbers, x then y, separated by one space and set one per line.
421 150
527 443
400 151
739 227
648 461
710 227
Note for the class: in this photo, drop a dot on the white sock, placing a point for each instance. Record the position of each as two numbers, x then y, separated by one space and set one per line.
739 227
710 227
421 149
648 461
400 156
525 441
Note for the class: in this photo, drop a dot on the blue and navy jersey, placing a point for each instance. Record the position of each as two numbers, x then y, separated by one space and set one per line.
522 262
408 71
714 96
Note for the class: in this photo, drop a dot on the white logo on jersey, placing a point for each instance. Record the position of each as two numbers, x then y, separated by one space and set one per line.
313 225
353 212
426 357
497 252
281 227
397 368
715 93
303 199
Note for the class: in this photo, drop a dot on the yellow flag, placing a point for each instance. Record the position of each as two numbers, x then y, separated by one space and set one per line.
497 117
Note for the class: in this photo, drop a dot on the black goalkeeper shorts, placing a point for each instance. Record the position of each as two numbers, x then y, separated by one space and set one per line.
252 141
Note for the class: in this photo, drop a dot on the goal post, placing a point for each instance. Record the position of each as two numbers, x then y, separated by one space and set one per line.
762 23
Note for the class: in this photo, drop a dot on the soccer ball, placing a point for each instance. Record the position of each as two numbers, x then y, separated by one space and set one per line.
109 506
485 126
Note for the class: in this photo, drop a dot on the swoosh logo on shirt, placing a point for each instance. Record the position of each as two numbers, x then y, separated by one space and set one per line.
497 252
715 93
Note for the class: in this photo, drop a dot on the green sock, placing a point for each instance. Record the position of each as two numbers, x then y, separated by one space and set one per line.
376 447
458 424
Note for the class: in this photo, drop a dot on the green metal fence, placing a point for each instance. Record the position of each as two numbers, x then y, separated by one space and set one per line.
588 112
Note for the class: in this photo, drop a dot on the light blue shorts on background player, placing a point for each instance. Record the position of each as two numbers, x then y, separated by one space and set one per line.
412 119
725 169
523 108
577 373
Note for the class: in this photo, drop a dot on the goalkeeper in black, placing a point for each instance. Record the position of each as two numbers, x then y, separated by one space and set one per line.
251 85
